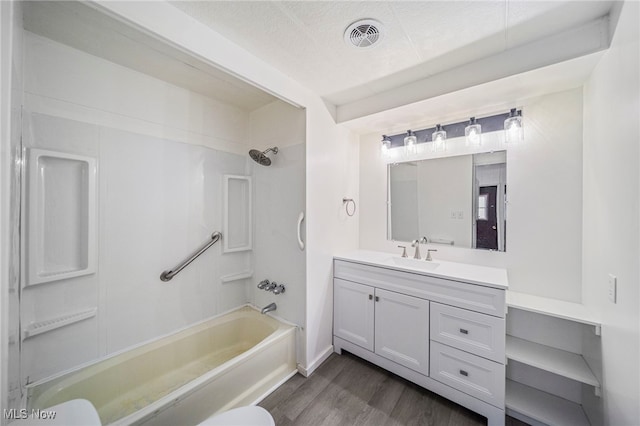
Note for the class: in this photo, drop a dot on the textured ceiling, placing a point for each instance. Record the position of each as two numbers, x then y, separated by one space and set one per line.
304 39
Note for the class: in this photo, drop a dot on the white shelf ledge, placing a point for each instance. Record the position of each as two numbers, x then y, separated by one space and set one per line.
552 307
236 277
36 328
557 361
543 407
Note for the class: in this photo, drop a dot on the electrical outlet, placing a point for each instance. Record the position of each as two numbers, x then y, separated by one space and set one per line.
612 289
453 214
459 214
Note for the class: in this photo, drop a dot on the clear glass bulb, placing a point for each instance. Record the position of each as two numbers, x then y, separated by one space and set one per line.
410 143
385 147
439 138
513 127
472 132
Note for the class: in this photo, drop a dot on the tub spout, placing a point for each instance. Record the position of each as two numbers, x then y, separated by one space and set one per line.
269 308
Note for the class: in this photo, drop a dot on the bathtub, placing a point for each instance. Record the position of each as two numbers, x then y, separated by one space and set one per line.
225 362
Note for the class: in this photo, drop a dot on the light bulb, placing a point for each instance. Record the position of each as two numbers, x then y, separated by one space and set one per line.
513 126
410 143
385 147
473 132
439 138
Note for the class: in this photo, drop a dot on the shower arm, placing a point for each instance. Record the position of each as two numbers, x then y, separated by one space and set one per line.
169 274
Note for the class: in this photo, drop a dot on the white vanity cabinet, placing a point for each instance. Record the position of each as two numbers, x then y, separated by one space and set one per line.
401 331
443 332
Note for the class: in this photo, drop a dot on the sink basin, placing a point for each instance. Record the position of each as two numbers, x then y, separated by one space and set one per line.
414 263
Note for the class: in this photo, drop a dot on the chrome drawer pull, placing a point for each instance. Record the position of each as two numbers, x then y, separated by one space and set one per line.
464 373
463 331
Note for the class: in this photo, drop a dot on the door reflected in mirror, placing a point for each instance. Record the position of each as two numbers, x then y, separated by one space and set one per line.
458 201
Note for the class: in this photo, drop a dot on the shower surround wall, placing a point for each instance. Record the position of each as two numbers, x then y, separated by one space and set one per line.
159 197
279 197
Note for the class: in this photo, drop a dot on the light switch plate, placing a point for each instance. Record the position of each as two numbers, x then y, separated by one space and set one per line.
612 289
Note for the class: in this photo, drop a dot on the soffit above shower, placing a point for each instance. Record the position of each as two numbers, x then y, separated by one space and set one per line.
305 41
84 28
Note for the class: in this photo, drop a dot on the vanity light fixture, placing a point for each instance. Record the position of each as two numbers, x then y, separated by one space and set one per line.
473 132
386 146
410 143
476 131
439 138
513 126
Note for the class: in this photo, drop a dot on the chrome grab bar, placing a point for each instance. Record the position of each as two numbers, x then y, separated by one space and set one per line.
168 275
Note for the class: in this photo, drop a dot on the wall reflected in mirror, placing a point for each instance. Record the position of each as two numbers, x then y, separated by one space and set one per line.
459 201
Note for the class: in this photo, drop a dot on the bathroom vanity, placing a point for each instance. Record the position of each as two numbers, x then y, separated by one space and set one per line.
438 324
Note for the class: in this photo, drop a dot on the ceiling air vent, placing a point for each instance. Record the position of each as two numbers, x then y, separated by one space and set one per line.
363 33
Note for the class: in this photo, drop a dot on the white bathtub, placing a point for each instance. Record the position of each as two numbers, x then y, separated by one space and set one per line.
222 363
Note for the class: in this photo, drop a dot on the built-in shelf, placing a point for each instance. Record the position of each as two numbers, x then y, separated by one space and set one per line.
553 307
236 277
543 407
557 361
39 327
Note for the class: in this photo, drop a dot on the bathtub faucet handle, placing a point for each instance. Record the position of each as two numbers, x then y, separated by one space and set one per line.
279 289
270 287
263 284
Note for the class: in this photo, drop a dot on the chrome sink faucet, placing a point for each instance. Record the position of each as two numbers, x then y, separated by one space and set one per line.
404 251
416 244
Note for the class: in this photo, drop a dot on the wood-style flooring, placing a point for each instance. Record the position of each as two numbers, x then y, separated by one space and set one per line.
347 390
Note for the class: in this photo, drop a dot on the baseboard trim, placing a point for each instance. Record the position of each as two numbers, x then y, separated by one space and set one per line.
306 372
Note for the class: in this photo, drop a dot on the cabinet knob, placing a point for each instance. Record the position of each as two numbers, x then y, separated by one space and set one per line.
377 299
463 331
464 373
370 296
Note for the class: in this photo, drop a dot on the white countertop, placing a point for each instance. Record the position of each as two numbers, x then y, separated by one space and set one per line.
481 275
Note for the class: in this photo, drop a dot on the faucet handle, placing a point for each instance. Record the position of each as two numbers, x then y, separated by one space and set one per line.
404 251
271 286
263 284
429 258
279 289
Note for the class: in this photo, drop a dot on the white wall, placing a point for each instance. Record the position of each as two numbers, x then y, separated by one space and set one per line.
279 196
158 200
544 178
11 49
612 215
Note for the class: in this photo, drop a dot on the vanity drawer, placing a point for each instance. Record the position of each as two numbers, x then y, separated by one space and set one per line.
474 297
468 373
480 334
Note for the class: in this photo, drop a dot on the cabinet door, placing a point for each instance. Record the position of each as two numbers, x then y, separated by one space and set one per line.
402 329
353 312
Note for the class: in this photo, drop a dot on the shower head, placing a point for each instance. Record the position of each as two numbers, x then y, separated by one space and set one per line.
260 157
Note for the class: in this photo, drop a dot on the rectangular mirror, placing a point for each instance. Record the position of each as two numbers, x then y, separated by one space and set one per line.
458 201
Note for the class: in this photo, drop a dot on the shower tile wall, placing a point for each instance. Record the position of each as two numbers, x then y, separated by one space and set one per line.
159 198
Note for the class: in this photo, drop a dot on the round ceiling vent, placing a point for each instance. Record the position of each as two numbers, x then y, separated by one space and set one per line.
364 33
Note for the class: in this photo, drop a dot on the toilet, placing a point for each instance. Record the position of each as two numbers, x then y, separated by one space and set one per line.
80 412
243 416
